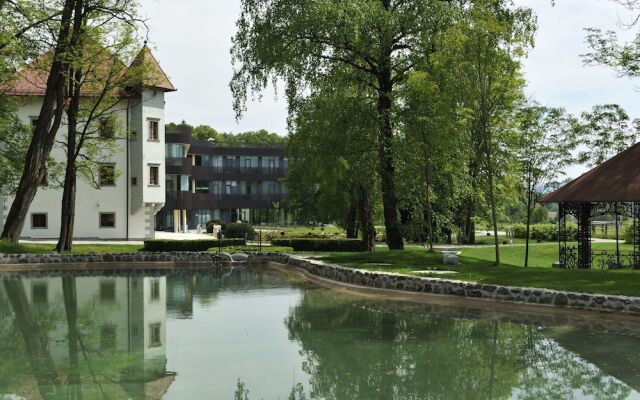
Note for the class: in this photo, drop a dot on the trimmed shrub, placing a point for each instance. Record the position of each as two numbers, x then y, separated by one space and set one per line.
320 244
157 245
214 222
239 230
543 232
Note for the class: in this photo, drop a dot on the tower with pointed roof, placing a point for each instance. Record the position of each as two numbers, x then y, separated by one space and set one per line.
124 206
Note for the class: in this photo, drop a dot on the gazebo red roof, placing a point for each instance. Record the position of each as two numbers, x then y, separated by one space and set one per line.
615 180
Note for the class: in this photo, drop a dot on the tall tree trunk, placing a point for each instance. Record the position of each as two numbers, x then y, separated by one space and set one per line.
35 342
365 211
492 200
68 206
429 209
71 310
385 154
45 132
352 219
527 233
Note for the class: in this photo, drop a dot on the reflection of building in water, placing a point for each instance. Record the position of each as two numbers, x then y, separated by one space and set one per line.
121 320
180 296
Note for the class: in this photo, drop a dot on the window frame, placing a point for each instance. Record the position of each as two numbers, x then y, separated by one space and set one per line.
155 332
157 180
153 134
100 226
106 165
46 220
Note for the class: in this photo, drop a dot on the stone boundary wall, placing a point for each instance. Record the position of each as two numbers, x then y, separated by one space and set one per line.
384 280
55 258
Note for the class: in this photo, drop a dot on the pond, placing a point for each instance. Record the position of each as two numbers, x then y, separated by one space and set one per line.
258 333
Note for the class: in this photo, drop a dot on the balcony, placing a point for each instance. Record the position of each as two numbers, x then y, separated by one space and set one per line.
232 173
209 201
178 166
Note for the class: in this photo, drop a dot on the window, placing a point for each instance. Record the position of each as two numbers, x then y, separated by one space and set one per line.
272 165
39 221
34 123
107 128
154 335
40 293
134 181
107 291
133 136
107 175
154 130
155 289
247 163
107 220
107 337
154 175
202 186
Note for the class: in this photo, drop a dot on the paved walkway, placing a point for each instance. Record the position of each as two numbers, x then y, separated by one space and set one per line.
159 235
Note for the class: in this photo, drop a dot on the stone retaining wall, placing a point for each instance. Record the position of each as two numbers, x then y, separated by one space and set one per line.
408 283
54 258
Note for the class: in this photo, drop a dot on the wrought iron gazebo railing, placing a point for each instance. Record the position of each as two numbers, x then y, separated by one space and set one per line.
601 259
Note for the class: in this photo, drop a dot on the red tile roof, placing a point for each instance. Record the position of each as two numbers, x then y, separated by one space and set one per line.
615 180
32 80
156 77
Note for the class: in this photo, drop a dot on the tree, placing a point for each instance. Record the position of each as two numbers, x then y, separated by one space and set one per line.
303 42
14 142
205 132
98 82
483 52
332 149
604 132
544 152
49 120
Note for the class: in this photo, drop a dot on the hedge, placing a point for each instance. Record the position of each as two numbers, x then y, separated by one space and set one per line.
320 244
548 232
157 245
239 230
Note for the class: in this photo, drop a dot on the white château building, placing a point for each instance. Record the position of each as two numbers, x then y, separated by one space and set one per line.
132 181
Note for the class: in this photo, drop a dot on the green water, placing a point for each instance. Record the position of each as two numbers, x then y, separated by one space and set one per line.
253 333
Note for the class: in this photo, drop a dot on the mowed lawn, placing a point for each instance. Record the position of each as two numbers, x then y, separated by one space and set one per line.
477 266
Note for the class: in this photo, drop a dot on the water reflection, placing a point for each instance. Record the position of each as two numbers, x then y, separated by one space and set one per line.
254 333
91 337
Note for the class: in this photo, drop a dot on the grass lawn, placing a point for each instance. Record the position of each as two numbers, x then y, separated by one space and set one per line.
9 248
482 270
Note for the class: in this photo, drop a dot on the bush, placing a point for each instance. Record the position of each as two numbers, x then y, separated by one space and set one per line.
239 230
156 245
627 234
214 222
320 244
543 232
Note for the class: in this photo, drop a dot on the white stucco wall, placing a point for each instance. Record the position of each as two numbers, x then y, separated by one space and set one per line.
145 201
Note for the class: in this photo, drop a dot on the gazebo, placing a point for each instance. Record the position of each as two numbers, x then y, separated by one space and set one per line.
612 188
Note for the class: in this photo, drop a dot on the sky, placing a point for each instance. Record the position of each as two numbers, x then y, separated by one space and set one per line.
192 41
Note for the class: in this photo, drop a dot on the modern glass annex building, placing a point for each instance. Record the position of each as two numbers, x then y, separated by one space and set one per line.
206 181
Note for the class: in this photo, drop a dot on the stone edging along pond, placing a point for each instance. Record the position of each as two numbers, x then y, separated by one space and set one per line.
374 279
383 280
141 257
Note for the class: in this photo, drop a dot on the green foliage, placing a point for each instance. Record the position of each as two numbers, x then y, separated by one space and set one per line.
157 245
544 232
210 225
320 244
14 142
627 232
604 132
239 230
205 132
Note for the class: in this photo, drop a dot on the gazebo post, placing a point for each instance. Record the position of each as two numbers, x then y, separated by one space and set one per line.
584 235
636 235
617 238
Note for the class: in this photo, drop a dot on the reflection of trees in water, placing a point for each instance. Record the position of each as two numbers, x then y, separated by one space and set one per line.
356 352
88 371
554 372
368 350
